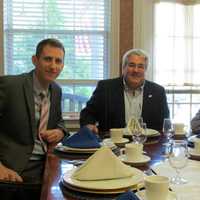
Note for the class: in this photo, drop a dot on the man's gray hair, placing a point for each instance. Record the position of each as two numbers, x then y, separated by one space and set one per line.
137 52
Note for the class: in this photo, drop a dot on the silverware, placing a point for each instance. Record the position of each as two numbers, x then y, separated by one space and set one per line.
75 162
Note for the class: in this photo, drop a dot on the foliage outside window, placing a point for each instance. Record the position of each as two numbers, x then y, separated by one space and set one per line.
82 25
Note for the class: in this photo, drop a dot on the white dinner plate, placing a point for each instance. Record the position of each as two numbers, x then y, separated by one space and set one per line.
67 149
143 159
149 133
192 138
98 191
105 185
122 141
142 196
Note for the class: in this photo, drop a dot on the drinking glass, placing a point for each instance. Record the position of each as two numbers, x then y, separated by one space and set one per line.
140 136
140 120
168 130
178 159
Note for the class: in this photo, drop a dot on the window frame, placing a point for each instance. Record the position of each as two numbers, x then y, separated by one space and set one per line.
143 20
113 48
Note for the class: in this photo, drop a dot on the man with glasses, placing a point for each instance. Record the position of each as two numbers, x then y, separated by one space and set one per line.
115 101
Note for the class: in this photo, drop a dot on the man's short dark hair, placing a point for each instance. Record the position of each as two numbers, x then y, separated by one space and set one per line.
51 42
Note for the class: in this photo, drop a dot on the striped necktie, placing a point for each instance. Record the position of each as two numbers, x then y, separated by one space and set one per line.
44 115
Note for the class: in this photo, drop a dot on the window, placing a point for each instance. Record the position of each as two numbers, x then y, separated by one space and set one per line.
172 37
84 27
176 51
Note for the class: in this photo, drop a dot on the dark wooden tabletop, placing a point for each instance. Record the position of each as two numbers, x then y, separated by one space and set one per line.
58 164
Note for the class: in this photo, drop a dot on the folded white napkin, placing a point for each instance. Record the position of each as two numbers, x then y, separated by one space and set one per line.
103 165
134 126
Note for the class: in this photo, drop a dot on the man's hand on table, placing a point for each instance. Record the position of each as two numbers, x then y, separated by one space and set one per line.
93 128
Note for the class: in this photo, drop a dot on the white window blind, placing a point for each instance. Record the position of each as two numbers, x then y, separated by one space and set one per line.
82 25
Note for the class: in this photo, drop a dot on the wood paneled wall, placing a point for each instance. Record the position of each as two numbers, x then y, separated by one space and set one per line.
126 26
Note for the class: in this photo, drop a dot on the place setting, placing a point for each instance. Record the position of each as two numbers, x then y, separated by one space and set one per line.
138 127
133 154
83 142
156 188
195 151
102 173
182 172
116 137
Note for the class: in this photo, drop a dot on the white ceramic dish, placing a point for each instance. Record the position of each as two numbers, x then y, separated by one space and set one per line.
122 141
149 133
142 196
142 160
67 149
105 185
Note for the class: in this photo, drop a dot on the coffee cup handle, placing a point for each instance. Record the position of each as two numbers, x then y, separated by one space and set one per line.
122 151
140 186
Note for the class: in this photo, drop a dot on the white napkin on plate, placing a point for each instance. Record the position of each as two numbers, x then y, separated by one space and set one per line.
103 165
134 126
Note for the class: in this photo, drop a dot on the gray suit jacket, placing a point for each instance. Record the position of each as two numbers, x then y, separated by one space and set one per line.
17 118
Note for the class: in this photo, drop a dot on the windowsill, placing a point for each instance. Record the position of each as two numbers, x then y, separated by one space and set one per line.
71 120
71 116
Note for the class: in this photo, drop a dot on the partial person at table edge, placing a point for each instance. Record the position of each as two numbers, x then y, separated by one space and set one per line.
116 100
24 136
195 123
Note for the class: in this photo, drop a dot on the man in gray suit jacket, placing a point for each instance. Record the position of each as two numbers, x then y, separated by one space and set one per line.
22 153
115 101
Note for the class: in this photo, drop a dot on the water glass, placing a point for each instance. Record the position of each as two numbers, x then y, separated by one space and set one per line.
140 136
178 158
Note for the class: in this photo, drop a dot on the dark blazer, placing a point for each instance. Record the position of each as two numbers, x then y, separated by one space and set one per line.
17 118
107 107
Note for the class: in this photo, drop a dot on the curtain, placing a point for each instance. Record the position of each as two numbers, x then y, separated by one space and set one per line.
176 43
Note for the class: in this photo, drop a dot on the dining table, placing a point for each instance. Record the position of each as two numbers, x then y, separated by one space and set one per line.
58 163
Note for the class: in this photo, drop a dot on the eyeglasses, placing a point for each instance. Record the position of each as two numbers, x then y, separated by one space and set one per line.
139 66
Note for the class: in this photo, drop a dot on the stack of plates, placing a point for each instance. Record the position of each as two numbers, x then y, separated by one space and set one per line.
152 132
149 133
111 186
67 149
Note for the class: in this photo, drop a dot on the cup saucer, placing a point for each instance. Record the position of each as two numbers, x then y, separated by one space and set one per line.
193 152
121 141
142 160
141 195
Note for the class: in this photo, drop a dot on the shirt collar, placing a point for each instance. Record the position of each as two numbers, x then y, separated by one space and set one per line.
127 88
38 89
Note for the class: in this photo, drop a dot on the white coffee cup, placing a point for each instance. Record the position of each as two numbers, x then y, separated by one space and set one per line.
157 187
197 145
133 151
179 128
116 134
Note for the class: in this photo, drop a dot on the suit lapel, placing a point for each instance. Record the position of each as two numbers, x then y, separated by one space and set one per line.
28 92
147 97
119 97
